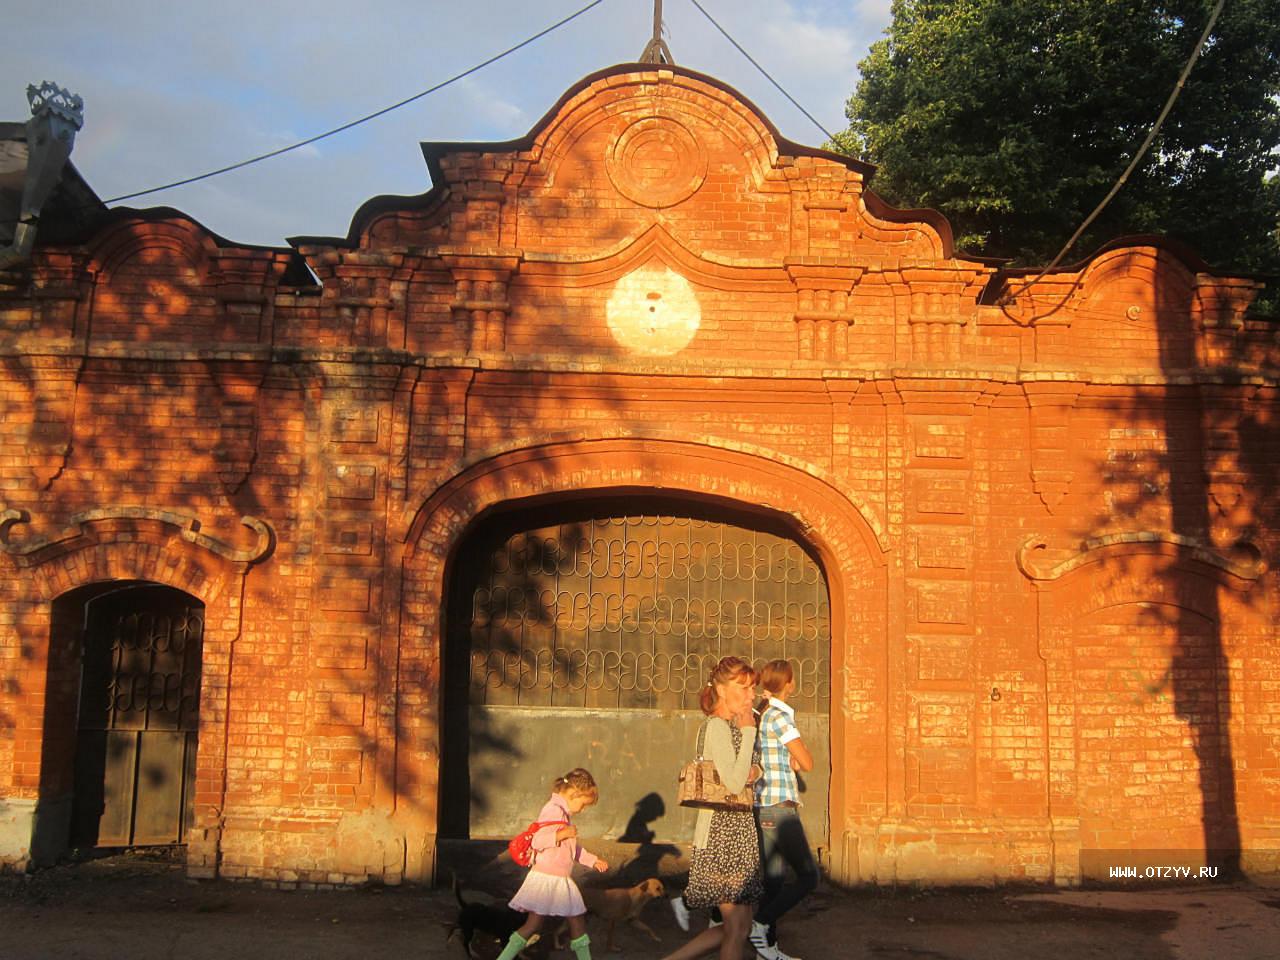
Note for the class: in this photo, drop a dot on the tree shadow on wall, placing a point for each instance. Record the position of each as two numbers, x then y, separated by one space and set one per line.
486 656
225 436
1195 458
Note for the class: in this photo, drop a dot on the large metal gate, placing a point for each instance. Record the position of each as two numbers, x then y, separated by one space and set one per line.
138 719
582 636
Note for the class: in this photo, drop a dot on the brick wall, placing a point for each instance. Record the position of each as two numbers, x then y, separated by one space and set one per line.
1045 516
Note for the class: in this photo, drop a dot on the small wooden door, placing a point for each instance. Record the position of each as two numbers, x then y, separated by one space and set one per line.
138 720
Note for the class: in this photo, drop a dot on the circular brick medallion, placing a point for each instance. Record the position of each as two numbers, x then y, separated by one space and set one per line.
656 162
653 311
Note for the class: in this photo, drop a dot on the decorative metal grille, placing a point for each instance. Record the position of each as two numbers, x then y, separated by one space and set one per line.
145 677
632 611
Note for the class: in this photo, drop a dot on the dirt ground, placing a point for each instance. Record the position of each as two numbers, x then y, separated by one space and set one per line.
142 907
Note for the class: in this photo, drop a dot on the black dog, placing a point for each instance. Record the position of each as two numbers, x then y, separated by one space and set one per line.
496 919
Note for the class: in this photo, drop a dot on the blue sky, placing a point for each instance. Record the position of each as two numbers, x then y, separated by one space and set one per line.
173 88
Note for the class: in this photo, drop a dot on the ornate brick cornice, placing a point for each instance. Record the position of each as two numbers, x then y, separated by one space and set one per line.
80 531
1248 565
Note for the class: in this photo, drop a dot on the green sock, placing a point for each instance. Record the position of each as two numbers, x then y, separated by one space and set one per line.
581 947
514 946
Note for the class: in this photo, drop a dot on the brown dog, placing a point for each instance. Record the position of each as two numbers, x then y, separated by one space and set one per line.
621 905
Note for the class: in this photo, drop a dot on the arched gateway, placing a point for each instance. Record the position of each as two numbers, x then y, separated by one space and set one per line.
589 581
581 634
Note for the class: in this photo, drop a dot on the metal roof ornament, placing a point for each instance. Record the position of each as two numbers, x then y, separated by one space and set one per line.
52 100
56 115
656 50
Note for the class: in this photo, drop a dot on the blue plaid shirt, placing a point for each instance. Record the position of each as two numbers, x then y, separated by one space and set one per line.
777 729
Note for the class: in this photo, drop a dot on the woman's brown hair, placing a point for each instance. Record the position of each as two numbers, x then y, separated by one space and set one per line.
728 670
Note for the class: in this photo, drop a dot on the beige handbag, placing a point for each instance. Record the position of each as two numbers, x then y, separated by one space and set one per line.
700 784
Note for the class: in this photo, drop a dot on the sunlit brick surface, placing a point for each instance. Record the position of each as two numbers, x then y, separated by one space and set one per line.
1046 517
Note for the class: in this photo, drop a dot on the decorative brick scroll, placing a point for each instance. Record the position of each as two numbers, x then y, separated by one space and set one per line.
38 549
1247 562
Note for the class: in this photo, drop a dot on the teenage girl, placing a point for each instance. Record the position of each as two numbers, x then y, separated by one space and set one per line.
548 890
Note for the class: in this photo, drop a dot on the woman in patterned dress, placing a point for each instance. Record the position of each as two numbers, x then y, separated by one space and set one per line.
726 854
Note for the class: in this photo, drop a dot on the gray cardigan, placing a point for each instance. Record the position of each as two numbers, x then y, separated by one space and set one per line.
733 769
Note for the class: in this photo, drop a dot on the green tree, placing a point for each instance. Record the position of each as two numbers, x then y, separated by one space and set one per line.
1014 120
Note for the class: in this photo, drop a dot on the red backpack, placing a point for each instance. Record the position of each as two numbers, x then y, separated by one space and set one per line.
521 845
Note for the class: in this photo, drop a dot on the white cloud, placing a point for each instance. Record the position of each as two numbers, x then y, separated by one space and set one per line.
498 113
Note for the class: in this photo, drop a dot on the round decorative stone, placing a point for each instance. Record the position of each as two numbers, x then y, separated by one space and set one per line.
653 311
656 162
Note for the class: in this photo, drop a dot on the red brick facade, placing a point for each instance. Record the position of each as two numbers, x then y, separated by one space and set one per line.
1045 517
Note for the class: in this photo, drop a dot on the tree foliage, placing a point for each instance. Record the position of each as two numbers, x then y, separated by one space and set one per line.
1015 119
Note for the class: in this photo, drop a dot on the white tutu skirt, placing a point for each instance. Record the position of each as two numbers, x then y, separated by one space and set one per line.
548 896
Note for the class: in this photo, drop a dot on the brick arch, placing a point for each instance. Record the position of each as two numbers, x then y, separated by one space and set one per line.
1141 298
140 549
163 560
155 281
692 98
1177 572
1160 276
553 446
819 515
179 242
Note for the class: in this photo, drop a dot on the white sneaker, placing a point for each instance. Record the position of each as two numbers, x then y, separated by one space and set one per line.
681 912
759 938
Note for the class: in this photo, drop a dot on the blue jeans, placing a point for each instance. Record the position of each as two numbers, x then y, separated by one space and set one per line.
783 844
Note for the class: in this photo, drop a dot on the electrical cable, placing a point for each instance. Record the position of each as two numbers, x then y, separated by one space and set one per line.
372 116
354 123
795 103
1133 164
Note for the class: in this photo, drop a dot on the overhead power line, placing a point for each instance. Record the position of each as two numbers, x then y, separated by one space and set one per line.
794 102
365 119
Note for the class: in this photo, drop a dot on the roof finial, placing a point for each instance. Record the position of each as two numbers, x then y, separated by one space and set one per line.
656 50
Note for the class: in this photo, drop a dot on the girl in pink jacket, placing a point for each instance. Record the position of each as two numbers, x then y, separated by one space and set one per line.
548 890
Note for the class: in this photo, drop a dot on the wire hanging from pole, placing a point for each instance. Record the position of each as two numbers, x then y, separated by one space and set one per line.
795 103
365 119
